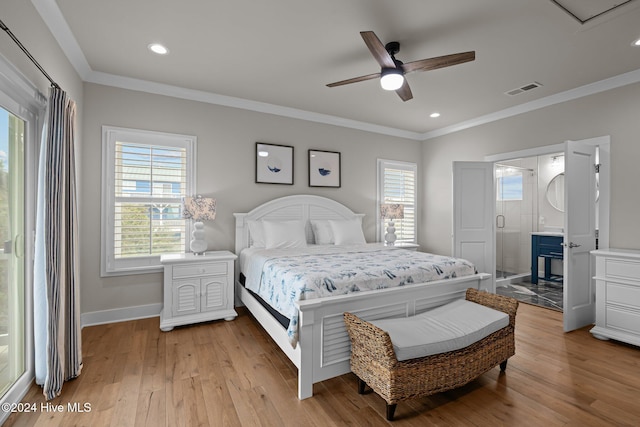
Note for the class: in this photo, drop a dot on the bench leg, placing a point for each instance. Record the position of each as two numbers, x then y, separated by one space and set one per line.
391 409
361 386
503 366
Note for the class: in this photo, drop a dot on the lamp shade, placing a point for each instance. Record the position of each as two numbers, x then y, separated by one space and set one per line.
392 211
199 208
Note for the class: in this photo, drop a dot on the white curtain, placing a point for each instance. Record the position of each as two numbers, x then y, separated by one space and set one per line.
56 288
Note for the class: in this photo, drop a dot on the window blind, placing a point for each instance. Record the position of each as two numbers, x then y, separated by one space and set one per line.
398 185
149 183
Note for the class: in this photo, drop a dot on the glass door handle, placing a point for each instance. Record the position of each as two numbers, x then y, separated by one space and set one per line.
500 221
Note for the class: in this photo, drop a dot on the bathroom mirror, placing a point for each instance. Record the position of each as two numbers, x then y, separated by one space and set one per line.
555 192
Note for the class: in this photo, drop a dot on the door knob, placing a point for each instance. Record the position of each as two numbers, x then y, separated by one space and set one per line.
570 245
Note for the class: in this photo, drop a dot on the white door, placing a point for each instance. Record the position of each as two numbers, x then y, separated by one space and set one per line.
473 216
579 234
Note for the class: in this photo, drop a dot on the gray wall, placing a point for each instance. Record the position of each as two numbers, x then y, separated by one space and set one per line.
226 144
225 170
615 112
25 23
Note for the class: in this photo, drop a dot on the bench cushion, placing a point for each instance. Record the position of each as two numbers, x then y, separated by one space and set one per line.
446 328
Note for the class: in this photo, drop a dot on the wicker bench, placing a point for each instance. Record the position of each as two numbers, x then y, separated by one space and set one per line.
374 362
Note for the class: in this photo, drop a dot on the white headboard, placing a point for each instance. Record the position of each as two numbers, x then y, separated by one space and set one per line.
304 207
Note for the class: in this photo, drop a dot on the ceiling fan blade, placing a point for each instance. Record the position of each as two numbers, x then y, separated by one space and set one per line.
438 62
405 91
355 80
377 49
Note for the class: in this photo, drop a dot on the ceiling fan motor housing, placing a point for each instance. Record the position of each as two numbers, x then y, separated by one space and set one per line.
392 48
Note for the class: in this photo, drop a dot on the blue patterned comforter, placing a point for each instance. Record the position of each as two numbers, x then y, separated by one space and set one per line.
284 276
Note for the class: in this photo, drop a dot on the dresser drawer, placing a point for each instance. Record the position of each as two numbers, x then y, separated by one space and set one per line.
617 295
623 294
191 270
623 320
622 269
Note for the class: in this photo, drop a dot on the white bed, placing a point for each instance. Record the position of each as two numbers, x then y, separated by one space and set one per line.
323 346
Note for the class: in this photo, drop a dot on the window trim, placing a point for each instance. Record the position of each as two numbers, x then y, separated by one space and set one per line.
138 265
382 164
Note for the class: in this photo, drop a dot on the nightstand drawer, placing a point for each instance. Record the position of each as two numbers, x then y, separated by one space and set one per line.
192 270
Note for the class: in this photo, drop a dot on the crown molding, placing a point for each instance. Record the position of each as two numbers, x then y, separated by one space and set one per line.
245 104
53 18
579 92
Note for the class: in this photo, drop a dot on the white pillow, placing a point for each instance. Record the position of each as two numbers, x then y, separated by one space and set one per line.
322 232
347 231
284 234
256 231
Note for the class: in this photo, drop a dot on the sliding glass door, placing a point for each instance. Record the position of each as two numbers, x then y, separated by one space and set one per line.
12 265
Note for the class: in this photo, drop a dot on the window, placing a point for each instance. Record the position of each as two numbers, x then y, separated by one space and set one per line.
397 184
145 175
509 183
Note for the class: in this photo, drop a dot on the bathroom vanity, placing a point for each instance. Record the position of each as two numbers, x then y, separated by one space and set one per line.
548 245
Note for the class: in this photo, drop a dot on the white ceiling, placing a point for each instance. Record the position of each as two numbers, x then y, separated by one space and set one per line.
278 55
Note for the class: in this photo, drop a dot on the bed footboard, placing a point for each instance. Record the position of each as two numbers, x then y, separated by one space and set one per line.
324 349
324 344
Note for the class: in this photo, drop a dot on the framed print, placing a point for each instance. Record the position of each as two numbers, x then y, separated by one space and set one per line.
324 168
274 164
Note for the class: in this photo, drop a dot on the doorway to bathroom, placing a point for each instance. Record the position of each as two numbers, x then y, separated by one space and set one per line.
586 222
529 207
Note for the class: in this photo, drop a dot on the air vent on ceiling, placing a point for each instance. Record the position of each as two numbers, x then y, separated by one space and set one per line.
522 89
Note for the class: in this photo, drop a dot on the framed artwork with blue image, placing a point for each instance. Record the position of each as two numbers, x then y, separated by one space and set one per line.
274 163
324 168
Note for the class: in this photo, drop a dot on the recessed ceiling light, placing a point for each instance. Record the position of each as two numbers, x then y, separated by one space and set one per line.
434 115
636 42
158 48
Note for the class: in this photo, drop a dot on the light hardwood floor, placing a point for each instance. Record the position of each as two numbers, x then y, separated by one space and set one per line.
232 374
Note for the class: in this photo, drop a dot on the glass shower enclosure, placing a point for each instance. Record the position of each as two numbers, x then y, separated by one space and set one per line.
516 201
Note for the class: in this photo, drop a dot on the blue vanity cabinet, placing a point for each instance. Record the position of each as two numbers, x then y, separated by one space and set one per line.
548 246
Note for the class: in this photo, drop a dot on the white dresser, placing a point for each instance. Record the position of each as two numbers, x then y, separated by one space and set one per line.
617 295
197 288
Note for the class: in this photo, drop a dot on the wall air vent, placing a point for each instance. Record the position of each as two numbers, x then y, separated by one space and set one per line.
523 89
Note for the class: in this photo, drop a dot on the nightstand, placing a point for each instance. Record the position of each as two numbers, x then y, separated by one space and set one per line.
197 288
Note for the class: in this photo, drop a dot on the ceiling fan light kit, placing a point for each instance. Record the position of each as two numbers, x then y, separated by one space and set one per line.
391 79
393 71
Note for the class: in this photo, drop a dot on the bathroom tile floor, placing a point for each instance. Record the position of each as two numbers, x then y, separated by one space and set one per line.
545 294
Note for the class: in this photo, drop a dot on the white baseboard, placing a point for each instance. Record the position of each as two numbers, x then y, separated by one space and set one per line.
120 314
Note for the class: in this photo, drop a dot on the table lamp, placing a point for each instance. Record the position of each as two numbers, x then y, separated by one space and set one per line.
391 211
198 209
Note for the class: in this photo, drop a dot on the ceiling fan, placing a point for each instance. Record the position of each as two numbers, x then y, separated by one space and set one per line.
393 70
